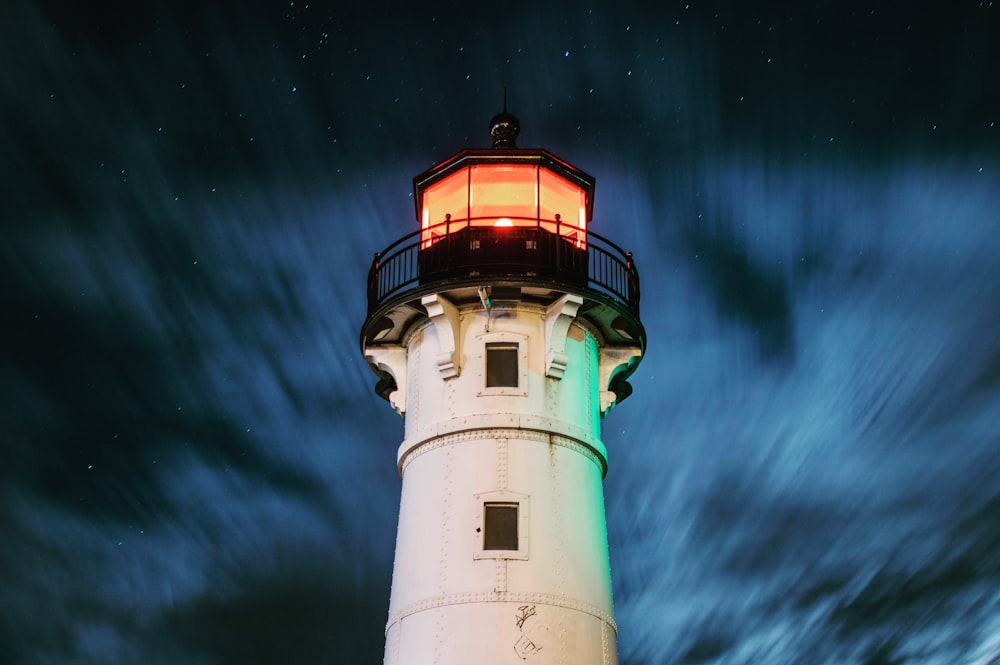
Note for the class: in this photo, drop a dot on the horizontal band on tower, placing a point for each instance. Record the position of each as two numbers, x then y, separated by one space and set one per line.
501 597
408 452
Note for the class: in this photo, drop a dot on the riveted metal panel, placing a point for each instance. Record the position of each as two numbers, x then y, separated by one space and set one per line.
538 447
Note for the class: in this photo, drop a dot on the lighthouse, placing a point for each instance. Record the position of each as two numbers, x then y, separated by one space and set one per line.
502 329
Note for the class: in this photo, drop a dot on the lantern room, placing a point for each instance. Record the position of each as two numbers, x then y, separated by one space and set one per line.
504 188
503 211
508 221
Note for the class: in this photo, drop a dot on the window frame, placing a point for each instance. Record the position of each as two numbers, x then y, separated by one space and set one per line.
512 339
522 502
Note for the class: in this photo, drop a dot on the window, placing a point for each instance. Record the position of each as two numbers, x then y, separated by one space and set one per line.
500 526
445 201
501 365
564 201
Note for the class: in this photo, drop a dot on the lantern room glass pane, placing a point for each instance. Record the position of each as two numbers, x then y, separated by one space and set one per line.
449 196
566 199
503 192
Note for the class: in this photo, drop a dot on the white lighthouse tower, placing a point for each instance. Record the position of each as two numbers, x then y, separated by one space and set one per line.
502 330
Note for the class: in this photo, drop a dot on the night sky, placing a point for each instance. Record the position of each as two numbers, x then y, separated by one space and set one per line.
195 468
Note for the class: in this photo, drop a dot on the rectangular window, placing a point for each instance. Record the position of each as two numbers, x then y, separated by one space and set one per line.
500 526
501 365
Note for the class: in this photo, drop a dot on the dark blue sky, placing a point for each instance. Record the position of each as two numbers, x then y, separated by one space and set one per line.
195 467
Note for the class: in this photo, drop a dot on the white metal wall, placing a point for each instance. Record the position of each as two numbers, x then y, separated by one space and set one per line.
537 445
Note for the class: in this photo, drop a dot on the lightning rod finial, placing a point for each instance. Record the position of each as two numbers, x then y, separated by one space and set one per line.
504 127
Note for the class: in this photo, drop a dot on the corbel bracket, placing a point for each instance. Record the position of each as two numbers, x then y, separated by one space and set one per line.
390 359
613 360
558 318
444 315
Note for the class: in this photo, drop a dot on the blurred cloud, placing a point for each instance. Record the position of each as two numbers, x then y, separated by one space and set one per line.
198 471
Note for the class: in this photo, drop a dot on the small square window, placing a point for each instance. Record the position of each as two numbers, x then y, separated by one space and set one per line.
504 364
501 365
500 526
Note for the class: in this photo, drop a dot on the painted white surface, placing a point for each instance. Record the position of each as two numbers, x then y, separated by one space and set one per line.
537 444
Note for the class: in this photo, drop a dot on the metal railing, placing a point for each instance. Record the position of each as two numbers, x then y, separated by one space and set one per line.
521 253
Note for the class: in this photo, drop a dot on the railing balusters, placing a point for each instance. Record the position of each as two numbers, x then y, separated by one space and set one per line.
610 269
